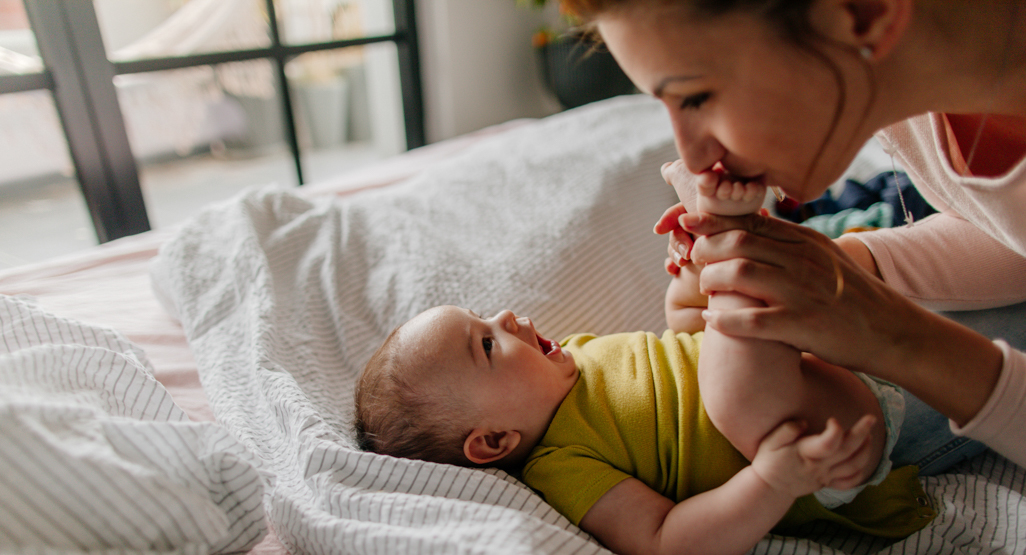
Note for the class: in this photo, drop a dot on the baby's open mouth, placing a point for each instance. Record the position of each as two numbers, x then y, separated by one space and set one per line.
547 345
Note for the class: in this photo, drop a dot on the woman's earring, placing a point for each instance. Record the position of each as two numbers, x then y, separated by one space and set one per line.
866 52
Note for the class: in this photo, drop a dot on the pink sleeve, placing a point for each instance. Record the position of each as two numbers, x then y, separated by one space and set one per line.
1000 423
946 263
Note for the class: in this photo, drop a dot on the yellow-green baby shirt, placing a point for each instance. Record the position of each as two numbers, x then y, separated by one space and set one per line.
636 412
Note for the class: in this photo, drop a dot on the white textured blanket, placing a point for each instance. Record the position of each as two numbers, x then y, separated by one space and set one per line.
96 457
283 301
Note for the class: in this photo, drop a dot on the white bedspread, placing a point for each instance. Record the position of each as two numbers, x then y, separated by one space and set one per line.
283 300
97 457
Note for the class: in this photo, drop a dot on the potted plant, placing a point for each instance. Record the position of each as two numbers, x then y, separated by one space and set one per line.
575 67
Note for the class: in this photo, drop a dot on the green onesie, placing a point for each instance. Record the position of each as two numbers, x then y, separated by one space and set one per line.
636 412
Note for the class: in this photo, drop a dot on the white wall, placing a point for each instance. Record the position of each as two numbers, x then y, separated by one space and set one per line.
478 65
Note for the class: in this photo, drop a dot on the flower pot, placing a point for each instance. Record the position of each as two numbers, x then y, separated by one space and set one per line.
578 73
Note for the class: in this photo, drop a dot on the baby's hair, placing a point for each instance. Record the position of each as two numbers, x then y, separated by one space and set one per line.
398 417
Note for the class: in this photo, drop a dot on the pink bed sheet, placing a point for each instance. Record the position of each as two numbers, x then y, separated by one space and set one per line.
109 285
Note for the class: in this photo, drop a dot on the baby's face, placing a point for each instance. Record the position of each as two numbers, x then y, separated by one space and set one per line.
515 378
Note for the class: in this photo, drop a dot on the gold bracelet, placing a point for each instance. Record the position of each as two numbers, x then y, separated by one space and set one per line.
839 275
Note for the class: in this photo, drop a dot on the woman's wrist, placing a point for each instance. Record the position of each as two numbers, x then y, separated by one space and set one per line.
950 367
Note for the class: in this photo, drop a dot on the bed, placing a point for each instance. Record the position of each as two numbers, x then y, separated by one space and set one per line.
253 319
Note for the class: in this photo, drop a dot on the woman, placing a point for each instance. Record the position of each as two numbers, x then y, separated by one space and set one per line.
787 92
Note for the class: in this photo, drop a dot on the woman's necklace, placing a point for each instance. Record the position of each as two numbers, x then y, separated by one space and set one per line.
1014 11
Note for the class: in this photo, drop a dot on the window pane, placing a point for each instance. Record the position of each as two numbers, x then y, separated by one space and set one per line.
347 106
202 134
310 21
142 29
18 51
42 212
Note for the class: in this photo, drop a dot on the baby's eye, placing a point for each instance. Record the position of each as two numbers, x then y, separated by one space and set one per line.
695 101
486 343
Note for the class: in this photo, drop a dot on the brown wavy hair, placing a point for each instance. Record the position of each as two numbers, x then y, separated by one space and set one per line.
790 18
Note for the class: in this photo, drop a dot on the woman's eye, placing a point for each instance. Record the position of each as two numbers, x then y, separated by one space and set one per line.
486 343
694 101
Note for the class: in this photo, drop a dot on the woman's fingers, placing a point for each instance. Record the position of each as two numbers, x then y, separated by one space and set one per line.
680 241
670 220
671 266
722 235
680 246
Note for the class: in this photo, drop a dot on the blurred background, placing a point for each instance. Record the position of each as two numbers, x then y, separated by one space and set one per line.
119 116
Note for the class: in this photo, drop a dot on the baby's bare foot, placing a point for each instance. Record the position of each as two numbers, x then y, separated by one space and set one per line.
718 194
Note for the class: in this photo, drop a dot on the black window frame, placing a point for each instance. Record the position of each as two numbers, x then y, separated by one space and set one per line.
81 78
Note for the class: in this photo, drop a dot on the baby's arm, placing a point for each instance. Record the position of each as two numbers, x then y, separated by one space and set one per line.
633 518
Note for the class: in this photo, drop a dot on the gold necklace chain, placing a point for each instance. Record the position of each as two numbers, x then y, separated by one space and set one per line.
1014 9
1014 12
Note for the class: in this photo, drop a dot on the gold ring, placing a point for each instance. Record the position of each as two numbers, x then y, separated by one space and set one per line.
839 275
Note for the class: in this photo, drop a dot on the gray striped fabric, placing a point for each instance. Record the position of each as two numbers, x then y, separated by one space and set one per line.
283 300
95 455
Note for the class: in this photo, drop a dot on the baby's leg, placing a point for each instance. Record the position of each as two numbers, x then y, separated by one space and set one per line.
751 386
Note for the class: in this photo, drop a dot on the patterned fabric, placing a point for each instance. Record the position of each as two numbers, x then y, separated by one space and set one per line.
96 456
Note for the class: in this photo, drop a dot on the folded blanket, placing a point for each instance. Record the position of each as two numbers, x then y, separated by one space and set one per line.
95 456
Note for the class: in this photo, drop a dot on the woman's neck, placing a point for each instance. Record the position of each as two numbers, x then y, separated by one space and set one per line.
958 57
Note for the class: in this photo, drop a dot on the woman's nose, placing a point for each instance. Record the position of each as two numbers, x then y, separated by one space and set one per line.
698 148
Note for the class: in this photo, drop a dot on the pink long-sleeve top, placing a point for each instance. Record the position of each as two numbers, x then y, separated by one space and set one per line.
970 255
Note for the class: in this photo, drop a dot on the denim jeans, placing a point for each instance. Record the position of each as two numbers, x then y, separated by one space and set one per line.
926 439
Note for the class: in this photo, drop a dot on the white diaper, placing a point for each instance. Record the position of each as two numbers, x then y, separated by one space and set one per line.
892 403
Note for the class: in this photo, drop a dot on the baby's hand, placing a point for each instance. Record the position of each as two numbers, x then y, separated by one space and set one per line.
718 194
799 466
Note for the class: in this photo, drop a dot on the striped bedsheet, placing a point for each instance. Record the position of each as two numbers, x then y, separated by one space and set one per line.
95 456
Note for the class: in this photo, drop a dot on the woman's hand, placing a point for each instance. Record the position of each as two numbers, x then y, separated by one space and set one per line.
818 299
684 183
679 248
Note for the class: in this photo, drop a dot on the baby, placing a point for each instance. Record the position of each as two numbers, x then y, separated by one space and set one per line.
610 426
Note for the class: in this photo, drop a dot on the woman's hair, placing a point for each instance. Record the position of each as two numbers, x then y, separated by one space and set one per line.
790 19
396 415
788 16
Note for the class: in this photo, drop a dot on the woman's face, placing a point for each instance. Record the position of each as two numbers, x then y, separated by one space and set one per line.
740 95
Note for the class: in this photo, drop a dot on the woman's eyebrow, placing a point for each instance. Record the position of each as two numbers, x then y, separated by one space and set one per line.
658 90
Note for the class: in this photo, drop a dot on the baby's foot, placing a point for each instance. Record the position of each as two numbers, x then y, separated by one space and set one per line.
718 194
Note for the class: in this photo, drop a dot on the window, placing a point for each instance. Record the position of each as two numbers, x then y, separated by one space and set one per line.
151 108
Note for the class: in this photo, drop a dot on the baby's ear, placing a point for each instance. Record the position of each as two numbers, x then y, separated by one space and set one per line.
488 446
